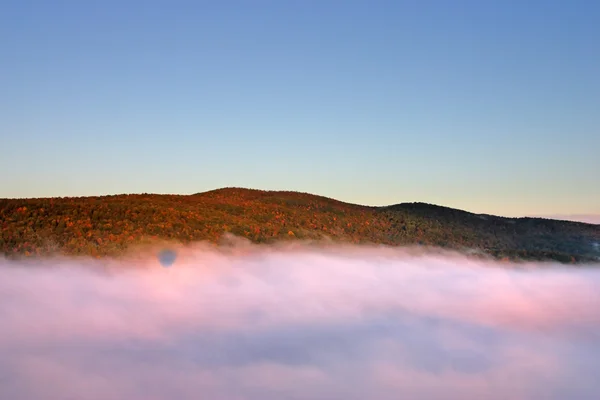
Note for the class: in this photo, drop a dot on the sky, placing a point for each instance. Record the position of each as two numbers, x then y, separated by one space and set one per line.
485 106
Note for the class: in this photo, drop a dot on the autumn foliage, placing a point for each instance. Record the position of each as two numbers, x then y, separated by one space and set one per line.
109 225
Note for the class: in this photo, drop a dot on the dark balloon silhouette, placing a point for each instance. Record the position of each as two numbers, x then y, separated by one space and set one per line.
167 257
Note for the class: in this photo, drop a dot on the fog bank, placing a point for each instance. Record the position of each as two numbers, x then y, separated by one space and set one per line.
298 323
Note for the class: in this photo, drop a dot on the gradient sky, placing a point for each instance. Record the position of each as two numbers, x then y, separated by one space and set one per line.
489 106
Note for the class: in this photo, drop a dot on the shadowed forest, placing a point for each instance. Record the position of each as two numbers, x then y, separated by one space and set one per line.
112 225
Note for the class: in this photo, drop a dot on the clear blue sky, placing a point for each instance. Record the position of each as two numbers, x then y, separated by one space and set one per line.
490 106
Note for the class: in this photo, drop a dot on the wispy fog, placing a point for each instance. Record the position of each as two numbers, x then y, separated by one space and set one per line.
298 323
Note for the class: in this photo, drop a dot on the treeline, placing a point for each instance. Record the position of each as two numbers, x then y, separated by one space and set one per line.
109 225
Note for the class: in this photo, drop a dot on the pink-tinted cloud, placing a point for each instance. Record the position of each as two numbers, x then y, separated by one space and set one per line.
339 322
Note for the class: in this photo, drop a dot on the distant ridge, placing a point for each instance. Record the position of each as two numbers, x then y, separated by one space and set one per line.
585 218
112 225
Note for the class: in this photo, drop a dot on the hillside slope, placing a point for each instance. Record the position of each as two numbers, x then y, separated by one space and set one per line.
109 225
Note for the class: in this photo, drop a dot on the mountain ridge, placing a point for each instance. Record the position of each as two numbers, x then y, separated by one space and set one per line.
558 217
113 224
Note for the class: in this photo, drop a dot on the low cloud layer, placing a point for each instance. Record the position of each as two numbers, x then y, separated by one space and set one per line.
298 323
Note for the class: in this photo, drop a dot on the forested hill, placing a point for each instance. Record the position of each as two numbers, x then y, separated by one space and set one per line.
109 225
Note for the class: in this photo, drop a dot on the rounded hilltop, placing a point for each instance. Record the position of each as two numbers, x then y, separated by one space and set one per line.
112 225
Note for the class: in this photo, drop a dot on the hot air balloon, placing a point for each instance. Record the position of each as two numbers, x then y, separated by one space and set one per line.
167 257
